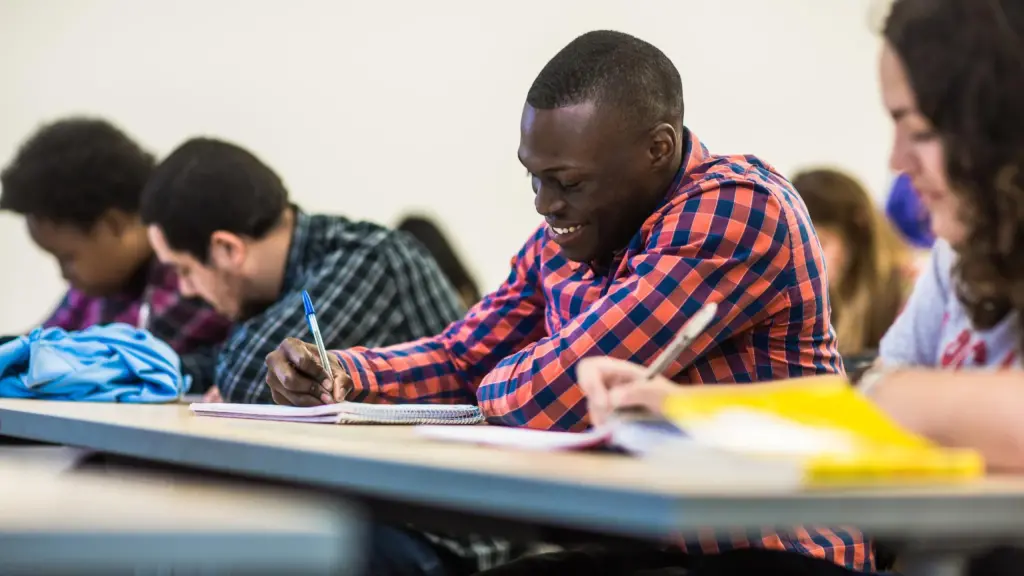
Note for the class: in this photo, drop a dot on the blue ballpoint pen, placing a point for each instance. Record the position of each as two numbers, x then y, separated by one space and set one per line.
315 329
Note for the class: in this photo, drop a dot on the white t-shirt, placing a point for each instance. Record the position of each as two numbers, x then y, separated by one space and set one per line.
934 330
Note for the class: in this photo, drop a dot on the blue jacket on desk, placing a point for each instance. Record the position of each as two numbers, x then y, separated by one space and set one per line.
111 363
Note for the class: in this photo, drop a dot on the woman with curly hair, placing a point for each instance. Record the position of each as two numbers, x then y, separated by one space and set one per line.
952 76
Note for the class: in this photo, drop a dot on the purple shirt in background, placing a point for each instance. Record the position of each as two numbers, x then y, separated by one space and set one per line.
934 329
908 214
189 326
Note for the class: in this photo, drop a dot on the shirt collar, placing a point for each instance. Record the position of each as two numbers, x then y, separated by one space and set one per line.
694 155
297 250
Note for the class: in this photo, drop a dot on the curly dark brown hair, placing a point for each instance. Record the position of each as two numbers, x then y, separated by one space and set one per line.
73 170
965 62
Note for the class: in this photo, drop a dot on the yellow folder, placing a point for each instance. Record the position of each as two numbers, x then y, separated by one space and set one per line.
874 448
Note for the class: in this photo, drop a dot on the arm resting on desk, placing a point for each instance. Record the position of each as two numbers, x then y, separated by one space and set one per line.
980 410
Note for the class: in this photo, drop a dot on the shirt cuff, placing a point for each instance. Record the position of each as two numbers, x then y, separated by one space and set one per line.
359 369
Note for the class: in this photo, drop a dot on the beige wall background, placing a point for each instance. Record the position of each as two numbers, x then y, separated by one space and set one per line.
374 109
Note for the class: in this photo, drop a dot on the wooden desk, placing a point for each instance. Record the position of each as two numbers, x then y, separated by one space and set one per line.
591 492
53 520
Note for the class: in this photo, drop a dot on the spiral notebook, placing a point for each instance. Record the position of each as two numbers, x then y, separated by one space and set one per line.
346 413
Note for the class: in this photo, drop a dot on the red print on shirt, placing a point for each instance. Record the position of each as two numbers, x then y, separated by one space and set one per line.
966 350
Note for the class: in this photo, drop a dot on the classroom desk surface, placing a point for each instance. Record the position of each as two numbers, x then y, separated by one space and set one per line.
571 490
57 519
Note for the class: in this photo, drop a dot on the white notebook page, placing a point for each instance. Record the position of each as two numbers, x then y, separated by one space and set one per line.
520 438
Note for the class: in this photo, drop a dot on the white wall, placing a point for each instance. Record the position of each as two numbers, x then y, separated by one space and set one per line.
374 108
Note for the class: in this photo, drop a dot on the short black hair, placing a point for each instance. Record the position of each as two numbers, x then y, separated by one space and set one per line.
206 185
430 235
612 68
74 170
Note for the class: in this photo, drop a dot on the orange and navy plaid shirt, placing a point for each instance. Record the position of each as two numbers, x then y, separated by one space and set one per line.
730 229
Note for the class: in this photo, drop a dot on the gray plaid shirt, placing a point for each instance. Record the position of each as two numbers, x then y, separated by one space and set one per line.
371 287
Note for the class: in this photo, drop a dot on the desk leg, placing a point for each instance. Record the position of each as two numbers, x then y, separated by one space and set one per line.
936 564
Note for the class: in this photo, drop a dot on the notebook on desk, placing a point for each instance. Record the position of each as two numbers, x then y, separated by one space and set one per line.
666 448
346 413
819 427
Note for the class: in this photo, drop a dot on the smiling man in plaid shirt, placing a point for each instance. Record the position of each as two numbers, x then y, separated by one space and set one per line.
642 226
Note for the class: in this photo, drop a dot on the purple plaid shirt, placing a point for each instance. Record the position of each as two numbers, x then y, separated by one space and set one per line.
189 326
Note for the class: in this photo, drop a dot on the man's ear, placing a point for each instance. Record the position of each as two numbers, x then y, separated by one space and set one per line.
664 142
227 251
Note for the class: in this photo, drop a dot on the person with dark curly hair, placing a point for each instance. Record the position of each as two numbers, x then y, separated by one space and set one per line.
78 182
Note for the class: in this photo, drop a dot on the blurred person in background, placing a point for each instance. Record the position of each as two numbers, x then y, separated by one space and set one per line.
909 215
430 235
78 183
870 271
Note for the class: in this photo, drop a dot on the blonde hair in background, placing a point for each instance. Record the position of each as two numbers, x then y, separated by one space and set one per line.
877 278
